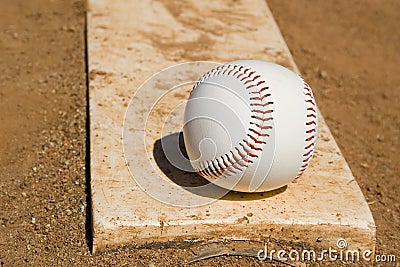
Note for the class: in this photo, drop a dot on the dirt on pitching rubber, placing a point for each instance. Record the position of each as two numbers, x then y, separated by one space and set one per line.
348 52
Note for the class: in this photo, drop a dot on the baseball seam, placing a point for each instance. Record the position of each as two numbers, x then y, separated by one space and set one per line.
260 125
311 127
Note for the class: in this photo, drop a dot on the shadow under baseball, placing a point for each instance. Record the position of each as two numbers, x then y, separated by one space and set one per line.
173 144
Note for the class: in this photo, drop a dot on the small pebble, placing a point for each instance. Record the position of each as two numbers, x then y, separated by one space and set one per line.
364 165
323 74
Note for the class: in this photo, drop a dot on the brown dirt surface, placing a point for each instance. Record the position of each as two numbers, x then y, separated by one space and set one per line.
348 51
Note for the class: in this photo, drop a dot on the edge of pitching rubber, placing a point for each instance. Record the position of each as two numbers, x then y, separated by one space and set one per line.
318 236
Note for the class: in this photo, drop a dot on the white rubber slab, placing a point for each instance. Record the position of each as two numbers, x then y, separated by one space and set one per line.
128 42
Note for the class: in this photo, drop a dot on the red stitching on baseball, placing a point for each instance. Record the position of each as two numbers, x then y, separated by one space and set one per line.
230 158
229 73
245 77
230 165
240 75
251 146
309 146
311 130
258 133
237 159
310 138
308 153
262 111
263 127
215 169
255 139
261 104
219 165
243 156
203 173
307 159
261 119
249 81
207 171
260 82
257 98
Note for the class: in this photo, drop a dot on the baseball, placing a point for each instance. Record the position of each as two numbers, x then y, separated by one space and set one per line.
250 126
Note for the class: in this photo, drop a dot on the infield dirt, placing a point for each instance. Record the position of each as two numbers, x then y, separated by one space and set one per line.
348 52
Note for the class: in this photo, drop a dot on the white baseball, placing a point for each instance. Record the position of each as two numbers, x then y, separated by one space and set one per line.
250 126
